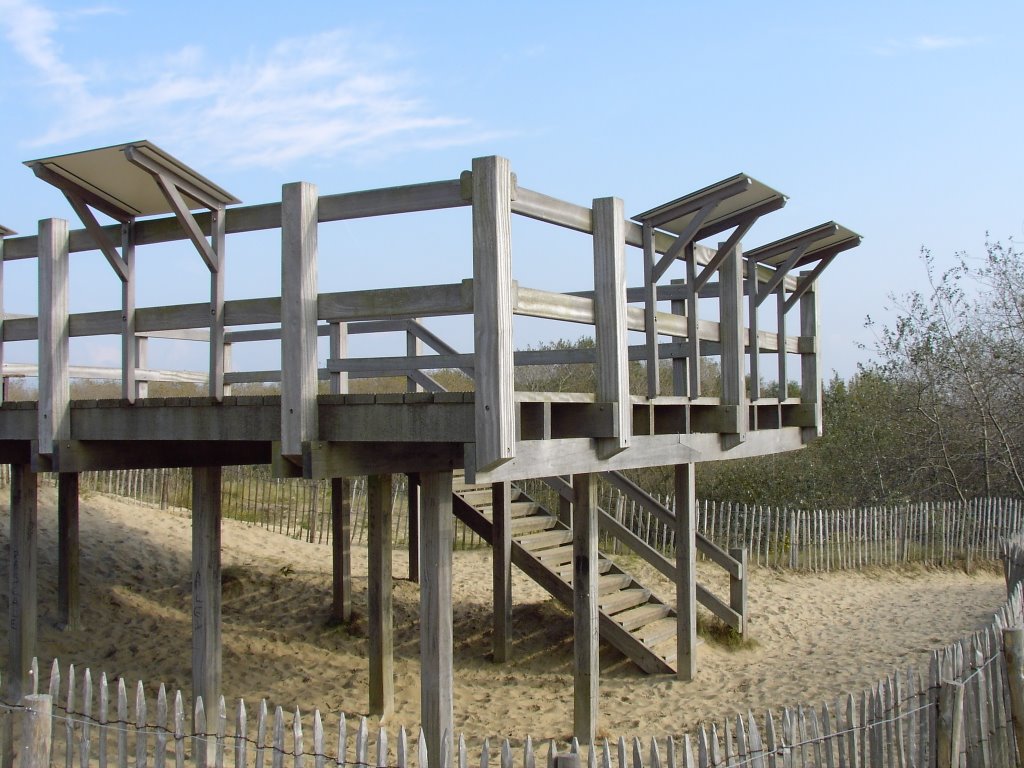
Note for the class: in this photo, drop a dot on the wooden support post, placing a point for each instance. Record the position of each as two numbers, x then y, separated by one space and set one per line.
141 361
3 379
810 361
298 317
693 321
413 348
1013 649
379 598
585 616
780 316
680 380
23 607
734 389
651 311
129 348
339 351
206 594
413 481
501 546
610 320
949 730
492 311
37 731
217 243
54 393
68 603
738 587
686 571
436 613
753 343
341 548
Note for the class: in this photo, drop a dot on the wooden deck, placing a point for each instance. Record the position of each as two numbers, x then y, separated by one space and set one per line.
493 435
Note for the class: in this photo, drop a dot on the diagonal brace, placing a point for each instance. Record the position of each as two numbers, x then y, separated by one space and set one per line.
99 234
780 273
806 282
684 238
724 250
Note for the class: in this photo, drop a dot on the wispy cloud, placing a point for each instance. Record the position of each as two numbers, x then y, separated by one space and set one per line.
926 43
325 95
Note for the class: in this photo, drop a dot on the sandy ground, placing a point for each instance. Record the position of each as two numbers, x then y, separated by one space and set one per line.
816 635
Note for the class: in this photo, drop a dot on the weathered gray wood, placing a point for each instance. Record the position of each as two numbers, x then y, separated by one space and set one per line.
54 412
68 598
217 313
413 516
738 587
341 548
298 316
651 312
436 531
206 582
610 319
3 381
338 350
492 311
379 594
586 675
686 571
754 347
950 725
810 368
121 728
501 548
141 734
734 391
1013 650
36 734
129 343
22 616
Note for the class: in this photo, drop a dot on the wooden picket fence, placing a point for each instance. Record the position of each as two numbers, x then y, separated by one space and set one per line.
960 712
930 533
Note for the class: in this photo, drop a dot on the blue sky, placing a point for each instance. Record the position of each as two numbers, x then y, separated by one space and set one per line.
900 120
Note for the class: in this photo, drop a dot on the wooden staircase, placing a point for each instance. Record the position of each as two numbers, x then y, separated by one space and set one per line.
632 618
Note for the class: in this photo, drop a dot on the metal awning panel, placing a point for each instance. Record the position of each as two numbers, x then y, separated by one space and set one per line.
124 186
822 241
734 200
5 232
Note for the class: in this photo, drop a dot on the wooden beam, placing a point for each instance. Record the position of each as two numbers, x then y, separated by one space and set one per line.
298 317
397 303
217 308
610 314
69 607
379 596
99 234
130 345
23 607
693 324
501 545
413 485
734 390
492 310
341 548
587 672
686 572
810 361
54 392
738 588
753 346
436 648
3 380
651 312
72 456
325 459
206 586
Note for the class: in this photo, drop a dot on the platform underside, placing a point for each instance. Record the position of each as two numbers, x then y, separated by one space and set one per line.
373 434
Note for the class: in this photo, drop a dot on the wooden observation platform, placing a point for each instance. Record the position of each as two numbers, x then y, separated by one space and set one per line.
463 450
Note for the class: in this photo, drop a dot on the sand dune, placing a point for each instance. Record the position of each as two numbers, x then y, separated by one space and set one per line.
816 635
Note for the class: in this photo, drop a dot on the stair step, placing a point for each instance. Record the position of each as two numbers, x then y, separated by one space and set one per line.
532 523
476 496
564 569
539 541
524 508
656 632
641 615
609 583
623 599
555 556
